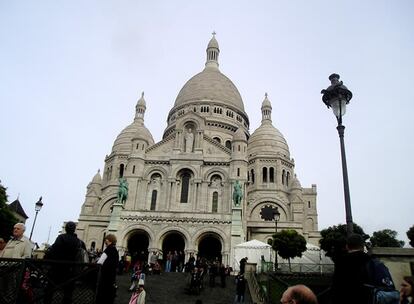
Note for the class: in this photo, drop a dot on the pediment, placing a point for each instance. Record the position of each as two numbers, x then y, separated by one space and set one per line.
213 149
162 148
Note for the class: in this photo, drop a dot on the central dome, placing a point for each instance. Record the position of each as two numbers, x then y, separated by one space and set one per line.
212 85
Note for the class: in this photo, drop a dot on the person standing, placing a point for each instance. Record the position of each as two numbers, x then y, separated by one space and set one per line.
138 297
109 261
65 248
243 262
298 294
407 290
19 246
240 288
354 271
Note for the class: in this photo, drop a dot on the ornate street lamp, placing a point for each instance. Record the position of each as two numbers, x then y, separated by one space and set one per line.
337 96
38 206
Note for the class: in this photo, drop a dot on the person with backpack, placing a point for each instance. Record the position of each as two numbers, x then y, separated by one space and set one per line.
358 277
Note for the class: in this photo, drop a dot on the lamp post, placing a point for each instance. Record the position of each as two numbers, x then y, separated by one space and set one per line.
276 216
337 96
38 206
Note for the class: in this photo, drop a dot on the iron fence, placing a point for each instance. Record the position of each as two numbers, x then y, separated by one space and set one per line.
47 282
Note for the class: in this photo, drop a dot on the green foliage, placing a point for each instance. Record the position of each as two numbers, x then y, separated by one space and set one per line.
410 235
289 244
7 219
385 238
333 240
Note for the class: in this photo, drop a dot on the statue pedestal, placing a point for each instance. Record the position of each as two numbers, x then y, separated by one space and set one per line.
115 217
237 233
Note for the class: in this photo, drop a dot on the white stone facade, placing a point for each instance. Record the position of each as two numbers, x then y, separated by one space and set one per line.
181 188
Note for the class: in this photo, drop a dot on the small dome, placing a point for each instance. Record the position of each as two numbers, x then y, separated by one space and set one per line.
123 141
97 178
267 140
210 84
144 134
239 135
295 184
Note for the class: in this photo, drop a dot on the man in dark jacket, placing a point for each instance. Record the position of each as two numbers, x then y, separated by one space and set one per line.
351 273
65 248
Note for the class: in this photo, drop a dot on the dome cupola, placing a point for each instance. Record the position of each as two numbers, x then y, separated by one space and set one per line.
136 130
267 140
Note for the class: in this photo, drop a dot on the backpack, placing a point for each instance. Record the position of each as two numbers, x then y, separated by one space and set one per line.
382 290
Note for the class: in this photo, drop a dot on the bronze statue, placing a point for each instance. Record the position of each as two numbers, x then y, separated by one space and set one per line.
122 191
237 193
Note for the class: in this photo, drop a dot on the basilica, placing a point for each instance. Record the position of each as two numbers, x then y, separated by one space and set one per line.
206 186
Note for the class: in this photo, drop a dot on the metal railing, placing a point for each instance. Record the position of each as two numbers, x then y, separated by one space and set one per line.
47 282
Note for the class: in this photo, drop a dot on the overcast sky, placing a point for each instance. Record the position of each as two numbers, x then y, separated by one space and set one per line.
71 73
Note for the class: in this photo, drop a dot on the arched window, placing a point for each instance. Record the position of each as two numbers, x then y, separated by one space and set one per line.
287 178
215 202
252 175
228 144
121 170
264 174
248 176
272 175
238 171
309 204
133 169
283 177
217 139
185 184
153 199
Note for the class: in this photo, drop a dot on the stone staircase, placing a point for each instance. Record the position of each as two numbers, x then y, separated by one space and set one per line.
173 288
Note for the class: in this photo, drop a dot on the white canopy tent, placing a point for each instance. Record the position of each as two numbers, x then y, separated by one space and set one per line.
312 260
253 250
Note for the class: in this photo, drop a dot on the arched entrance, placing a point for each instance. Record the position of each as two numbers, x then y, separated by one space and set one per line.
209 247
173 251
173 241
138 245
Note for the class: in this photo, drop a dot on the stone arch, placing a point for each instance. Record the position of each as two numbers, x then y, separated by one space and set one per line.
173 229
105 207
131 228
175 172
138 243
157 169
218 139
211 230
210 245
207 175
190 118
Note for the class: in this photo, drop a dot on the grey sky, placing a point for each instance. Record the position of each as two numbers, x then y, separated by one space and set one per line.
71 73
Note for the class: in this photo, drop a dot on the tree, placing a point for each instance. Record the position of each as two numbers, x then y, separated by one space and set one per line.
289 244
410 235
385 238
7 219
333 240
